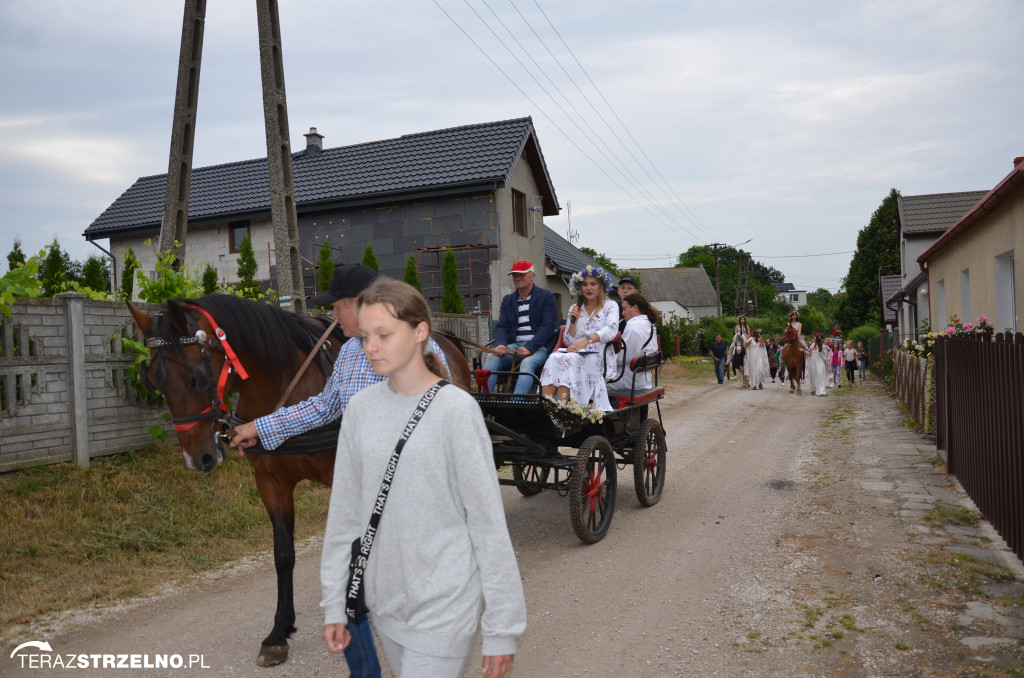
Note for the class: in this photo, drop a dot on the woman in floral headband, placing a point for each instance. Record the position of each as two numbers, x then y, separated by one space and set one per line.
577 371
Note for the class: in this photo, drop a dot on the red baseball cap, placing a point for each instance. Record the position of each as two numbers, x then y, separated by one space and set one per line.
521 267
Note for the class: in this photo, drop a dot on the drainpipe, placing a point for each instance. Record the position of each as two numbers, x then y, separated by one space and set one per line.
113 265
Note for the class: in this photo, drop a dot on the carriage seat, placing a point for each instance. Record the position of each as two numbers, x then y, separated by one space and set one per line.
648 362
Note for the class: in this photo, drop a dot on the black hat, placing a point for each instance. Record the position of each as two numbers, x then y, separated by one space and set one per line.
348 281
627 279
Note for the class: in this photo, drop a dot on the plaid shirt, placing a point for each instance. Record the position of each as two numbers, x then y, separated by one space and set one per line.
352 373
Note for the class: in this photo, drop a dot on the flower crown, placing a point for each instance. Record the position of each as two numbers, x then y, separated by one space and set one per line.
587 272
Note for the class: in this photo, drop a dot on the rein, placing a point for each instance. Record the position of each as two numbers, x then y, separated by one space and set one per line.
302 370
467 342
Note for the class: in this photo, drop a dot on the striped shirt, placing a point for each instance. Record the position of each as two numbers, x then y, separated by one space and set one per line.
352 373
524 330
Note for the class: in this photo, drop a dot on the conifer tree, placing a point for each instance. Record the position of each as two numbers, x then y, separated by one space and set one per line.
209 280
53 273
325 267
451 299
247 269
96 274
369 258
15 257
412 276
131 264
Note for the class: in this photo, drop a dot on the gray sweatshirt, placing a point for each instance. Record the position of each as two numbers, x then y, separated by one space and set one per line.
442 546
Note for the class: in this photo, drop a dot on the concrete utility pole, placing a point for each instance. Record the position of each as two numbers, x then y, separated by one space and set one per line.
718 287
179 165
279 160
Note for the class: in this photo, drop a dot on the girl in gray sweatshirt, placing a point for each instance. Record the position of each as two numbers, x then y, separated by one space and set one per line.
442 548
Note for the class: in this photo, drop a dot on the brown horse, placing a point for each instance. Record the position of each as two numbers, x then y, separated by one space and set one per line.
206 348
794 357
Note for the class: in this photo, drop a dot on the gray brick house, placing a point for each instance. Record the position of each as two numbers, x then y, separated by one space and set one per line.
481 189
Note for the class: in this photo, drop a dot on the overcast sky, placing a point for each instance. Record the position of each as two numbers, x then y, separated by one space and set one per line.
782 122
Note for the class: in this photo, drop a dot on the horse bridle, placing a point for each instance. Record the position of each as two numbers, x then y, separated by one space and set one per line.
218 409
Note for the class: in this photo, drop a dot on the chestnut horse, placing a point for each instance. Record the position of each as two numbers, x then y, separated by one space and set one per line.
794 357
206 348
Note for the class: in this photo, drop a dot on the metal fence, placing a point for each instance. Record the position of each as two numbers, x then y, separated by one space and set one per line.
877 349
980 424
911 382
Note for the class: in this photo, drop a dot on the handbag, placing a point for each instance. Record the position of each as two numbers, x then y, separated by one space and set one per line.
355 605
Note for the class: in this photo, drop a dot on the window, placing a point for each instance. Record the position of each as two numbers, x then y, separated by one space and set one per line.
940 307
1006 293
794 298
965 295
236 234
518 212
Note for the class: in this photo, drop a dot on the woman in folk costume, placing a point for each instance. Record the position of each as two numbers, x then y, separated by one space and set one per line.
576 371
756 364
794 322
818 367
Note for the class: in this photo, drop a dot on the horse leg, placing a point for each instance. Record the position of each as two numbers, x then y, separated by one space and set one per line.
280 504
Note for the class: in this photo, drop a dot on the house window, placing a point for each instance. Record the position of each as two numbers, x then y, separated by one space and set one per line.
794 298
940 305
518 212
236 234
965 295
1006 293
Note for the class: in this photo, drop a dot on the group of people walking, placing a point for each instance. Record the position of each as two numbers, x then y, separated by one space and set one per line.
752 359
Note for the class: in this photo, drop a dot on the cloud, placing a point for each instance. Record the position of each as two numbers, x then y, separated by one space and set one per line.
89 159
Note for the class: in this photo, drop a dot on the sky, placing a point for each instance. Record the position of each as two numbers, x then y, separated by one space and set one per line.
664 124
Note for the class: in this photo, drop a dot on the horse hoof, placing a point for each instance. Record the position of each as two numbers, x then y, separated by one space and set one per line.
272 655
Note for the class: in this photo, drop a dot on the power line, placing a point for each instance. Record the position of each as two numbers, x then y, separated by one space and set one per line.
798 256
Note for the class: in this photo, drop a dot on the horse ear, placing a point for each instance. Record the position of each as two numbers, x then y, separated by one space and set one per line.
143 321
176 316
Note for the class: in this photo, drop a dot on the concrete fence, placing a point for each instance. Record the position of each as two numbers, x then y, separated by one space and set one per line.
64 393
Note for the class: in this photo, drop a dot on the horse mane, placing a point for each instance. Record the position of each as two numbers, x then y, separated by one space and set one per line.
267 334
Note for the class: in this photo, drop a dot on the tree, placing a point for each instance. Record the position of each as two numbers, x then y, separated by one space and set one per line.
412 275
451 299
324 267
15 257
247 268
369 258
54 272
732 263
877 254
209 280
600 257
96 274
131 265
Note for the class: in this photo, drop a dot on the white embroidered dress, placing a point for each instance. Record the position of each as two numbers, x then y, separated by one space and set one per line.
583 372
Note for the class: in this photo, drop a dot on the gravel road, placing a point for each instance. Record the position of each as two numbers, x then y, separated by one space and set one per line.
796 537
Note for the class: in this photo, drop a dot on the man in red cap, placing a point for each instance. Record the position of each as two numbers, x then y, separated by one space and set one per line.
526 329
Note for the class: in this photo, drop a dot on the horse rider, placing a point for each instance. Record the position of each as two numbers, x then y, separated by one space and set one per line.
794 322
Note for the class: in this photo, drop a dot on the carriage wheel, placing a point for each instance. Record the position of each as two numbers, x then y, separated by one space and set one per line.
592 490
529 478
649 462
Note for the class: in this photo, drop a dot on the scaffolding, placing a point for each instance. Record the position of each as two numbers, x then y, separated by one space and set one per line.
474 274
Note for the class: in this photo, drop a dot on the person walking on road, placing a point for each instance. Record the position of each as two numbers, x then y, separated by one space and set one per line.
719 351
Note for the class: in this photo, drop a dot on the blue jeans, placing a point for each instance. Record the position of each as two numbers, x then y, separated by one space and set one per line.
720 369
361 653
528 366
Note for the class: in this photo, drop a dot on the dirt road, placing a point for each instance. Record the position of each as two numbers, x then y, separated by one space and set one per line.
796 536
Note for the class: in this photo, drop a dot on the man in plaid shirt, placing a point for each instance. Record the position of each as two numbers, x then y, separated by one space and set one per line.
352 371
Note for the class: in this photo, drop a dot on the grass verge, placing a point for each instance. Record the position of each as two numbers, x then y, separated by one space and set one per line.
126 526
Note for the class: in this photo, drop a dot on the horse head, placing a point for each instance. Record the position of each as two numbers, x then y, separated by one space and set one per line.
187 365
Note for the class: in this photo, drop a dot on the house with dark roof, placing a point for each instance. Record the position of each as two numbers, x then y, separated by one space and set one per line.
922 219
682 292
971 268
889 285
482 190
790 294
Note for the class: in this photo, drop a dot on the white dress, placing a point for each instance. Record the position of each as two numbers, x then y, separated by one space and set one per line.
583 372
756 364
636 334
817 372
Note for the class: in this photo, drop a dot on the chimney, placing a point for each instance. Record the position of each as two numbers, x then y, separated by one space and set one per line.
314 141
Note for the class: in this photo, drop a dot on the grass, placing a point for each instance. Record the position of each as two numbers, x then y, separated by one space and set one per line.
950 514
127 526
690 372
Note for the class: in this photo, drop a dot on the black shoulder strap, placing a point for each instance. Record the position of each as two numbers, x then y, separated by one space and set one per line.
356 604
